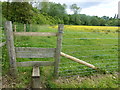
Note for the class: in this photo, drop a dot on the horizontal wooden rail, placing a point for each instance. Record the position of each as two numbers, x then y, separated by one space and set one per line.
78 60
2 44
30 52
34 63
35 34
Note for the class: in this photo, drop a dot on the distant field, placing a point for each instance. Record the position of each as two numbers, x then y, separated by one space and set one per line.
97 45
89 28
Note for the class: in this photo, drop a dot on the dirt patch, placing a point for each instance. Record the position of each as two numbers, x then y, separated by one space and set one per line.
79 79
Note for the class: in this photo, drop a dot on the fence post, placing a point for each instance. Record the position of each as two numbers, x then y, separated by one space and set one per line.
30 27
24 27
10 47
58 49
14 28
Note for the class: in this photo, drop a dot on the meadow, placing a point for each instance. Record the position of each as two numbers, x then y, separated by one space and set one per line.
97 45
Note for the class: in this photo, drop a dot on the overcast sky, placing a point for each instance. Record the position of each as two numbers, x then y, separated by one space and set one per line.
92 7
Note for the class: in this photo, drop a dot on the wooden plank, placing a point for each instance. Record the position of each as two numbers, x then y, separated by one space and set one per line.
36 77
2 44
36 84
29 52
78 60
10 47
36 71
58 49
35 34
34 63
32 49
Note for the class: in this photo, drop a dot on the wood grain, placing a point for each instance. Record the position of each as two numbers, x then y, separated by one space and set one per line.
34 63
34 34
10 47
58 49
29 52
36 71
78 60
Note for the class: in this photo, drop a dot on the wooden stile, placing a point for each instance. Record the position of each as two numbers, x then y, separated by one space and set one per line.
35 34
10 47
30 52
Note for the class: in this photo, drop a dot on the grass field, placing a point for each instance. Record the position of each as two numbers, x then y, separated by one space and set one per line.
93 44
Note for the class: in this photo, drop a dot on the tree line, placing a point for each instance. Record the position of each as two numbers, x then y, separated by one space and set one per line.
52 13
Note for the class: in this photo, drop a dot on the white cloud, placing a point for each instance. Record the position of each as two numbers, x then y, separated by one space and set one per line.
65 1
107 9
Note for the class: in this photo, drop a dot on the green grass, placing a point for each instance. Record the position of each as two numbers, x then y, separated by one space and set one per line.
95 81
103 53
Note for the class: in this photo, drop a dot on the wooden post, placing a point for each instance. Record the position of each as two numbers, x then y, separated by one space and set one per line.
24 27
78 60
58 49
10 46
30 27
14 28
36 77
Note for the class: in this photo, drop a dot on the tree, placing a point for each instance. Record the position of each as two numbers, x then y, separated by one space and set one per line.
44 6
75 8
94 21
85 20
57 9
17 11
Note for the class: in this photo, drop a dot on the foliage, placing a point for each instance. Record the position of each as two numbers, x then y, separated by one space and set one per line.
17 11
52 13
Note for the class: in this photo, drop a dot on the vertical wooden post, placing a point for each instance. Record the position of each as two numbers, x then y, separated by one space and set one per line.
14 28
30 27
24 27
58 49
36 77
10 46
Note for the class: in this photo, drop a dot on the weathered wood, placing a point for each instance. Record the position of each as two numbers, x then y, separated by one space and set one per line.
35 34
10 46
78 60
58 49
2 44
36 77
30 27
24 27
14 28
35 63
36 84
29 52
36 71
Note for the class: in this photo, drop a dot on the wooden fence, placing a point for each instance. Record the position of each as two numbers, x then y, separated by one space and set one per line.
27 52
30 52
